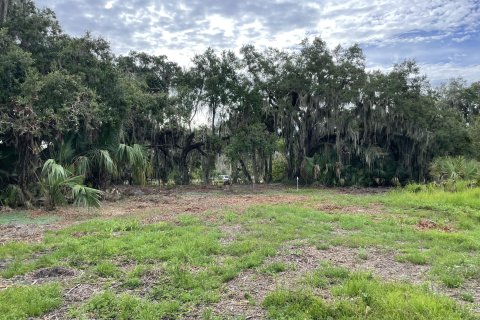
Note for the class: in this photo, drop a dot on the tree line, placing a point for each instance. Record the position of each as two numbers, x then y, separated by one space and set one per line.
315 113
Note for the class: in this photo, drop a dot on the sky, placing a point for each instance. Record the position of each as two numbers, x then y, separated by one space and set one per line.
443 36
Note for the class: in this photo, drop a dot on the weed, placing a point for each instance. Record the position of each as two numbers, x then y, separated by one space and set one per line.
274 267
467 296
326 275
110 306
362 254
106 269
415 258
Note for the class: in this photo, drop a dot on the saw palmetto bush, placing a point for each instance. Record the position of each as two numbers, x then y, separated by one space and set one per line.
455 168
134 159
59 186
98 166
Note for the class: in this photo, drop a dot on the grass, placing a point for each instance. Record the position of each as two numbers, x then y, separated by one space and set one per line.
362 254
122 307
22 302
21 217
167 269
274 267
414 257
360 296
326 275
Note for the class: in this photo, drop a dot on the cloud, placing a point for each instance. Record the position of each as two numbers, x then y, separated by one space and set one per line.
435 32
443 72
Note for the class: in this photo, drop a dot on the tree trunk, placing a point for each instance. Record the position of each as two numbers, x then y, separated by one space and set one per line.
183 170
3 10
255 168
268 169
245 170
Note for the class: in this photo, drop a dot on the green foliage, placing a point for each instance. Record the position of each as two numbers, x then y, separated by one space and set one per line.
399 301
414 257
134 159
283 304
12 196
57 90
24 302
106 269
455 168
279 168
56 181
326 275
432 196
104 162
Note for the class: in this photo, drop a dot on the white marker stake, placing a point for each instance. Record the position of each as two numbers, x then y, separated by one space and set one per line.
297 183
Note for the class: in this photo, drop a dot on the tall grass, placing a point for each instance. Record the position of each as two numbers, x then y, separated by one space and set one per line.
431 196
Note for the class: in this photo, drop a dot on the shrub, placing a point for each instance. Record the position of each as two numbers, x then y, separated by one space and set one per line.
13 196
454 168
279 168
56 182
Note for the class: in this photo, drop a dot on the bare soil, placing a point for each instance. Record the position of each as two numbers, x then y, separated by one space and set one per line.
154 205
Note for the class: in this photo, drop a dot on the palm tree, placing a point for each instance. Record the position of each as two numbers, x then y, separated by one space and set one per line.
56 182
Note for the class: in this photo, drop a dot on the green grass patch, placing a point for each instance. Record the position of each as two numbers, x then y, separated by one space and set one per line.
23 302
274 267
326 275
125 306
414 257
363 297
106 269
362 254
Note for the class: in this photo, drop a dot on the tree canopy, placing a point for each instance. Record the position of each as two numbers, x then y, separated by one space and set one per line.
316 112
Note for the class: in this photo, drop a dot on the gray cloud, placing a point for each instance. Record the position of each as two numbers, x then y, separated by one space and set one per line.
388 30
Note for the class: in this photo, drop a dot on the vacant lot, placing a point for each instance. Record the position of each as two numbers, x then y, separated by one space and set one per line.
247 254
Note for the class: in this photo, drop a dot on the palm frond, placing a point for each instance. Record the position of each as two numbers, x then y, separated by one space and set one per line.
105 162
85 196
53 171
134 158
454 168
65 152
81 165
56 181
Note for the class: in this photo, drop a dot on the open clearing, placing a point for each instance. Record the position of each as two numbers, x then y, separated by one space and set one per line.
271 252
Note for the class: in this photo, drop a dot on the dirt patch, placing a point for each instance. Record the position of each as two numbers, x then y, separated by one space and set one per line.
25 232
45 275
377 260
154 205
243 296
230 233
426 224
163 208
81 292
338 209
53 272
73 296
